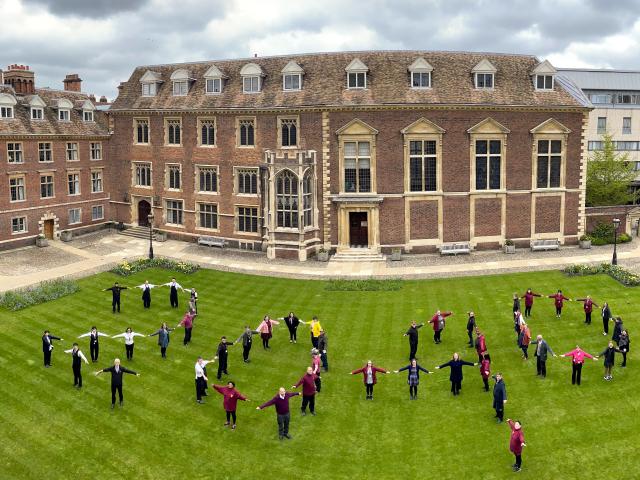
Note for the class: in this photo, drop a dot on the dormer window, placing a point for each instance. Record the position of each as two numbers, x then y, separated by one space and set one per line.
180 88
87 115
356 74
37 113
544 82
36 107
64 109
484 80
87 108
213 80
420 71
181 80
64 115
214 85
7 103
251 78
150 82
484 75
544 76
149 89
292 77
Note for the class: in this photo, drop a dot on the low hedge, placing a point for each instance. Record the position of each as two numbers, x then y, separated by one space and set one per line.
616 272
364 285
41 293
125 268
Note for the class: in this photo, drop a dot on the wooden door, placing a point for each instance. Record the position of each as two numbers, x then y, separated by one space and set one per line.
144 209
358 229
48 229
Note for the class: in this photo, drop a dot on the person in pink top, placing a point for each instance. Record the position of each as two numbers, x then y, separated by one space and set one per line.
187 323
316 362
438 324
577 355
558 300
369 376
266 330
516 443
230 401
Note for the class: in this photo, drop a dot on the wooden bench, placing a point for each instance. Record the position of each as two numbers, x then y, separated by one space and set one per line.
212 241
541 245
455 248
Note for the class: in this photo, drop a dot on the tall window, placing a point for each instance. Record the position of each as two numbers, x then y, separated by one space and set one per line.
422 165
6 112
97 212
247 218
549 163
72 151
357 167
143 174
602 125
96 151
16 189
214 85
291 82
63 115
289 132
181 87
14 153
287 200
626 125
208 179
19 225
174 177
357 79
488 164
44 152
208 213
307 200
87 115
174 212
247 179
37 113
73 182
251 84
484 80
421 79
149 89
142 131
173 132
96 181
75 216
46 186
208 132
246 128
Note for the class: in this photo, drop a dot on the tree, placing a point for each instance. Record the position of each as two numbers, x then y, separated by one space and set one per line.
608 176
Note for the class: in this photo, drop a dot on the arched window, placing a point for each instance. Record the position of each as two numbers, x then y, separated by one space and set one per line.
287 199
307 200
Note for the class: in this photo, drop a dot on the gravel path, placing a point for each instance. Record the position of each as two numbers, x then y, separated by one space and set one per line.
33 260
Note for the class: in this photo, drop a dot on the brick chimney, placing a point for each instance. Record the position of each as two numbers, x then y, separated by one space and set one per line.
20 78
72 83
103 99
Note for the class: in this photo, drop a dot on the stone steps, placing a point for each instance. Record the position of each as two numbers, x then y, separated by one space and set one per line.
358 255
137 232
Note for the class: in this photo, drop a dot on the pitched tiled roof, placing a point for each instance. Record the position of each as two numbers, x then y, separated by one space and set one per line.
324 83
22 124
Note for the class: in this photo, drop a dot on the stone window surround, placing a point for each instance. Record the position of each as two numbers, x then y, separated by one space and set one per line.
279 120
134 166
236 190
239 119
46 173
198 225
550 129
357 131
196 174
135 130
95 170
167 172
24 187
26 225
488 129
200 121
167 120
420 130
165 212
236 216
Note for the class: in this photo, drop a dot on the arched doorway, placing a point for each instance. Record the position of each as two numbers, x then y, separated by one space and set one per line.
144 210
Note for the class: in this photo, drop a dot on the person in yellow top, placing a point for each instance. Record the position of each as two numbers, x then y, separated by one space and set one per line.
315 328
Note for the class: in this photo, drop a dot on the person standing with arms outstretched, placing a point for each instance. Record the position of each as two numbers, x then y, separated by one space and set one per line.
438 322
163 338
471 326
558 300
47 347
77 357
480 344
129 336
201 378
281 402
187 323
542 351
94 342
314 328
222 355
173 292
116 371
623 345
369 376
516 443
485 370
292 323
587 305
528 301
193 299
455 375
577 356
230 401
247 342
606 318
413 377
524 339
308 382
115 296
412 333
499 396
266 330
609 355
146 293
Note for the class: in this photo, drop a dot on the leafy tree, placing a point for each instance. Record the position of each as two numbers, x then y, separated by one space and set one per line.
609 174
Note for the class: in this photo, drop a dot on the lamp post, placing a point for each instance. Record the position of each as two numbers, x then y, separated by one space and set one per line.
150 217
616 224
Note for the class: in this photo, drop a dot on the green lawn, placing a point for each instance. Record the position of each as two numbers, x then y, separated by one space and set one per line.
51 430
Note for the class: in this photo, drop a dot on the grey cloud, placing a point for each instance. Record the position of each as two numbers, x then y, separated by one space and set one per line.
88 8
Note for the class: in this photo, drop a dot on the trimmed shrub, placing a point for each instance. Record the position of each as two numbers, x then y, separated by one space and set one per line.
41 293
603 234
365 285
125 268
616 272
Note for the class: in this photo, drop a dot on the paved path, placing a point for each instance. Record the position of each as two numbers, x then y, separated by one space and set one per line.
103 251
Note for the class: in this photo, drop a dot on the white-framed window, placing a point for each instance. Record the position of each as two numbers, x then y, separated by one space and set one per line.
75 215
307 200
488 164
247 219
549 166
173 177
142 131
143 174
174 131
288 132
64 115
72 151
149 89
14 152
174 212
287 202
420 79
207 179
6 112
423 165
16 189
18 225
246 132
37 113
213 85
251 84
207 132
626 125
544 82
96 181
180 88
292 82
96 150
357 80
87 115
208 215
484 80
97 212
247 181
45 152
602 125
73 183
357 167
46 186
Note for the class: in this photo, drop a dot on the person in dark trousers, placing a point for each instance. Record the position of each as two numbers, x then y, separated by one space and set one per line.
528 301
187 323
542 351
322 349
369 377
485 370
230 401
499 396
115 296
438 322
94 342
587 305
201 378
518 321
193 299
577 356
77 357
292 323
308 382
47 347
455 376
222 356
516 303
247 342
471 326
173 292
412 333
116 371
606 318
281 402
618 326
129 336
266 330
315 368
480 344
524 339
623 345
558 300
413 377
146 293
609 355
163 338
516 443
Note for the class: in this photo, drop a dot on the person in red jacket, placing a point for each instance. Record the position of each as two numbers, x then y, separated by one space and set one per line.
577 355
485 370
230 401
559 298
369 376
588 308
480 344
308 382
528 301
516 442
438 324
524 339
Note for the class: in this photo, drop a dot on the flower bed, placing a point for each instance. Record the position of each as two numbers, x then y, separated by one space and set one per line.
616 272
368 285
129 268
41 293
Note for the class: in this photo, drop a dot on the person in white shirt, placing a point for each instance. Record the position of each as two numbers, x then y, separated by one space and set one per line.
146 293
193 299
94 344
173 293
128 341
201 378
76 363
47 347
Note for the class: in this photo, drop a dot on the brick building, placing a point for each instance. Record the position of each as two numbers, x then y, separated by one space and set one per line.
52 159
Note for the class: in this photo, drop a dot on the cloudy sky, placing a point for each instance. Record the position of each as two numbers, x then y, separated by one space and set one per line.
103 40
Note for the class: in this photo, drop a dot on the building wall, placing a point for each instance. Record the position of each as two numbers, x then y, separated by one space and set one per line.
614 118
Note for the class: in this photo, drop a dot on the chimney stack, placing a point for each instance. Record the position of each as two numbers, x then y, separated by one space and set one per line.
72 83
103 99
20 78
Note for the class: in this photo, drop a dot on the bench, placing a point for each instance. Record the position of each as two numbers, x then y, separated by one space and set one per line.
212 241
455 248
541 245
